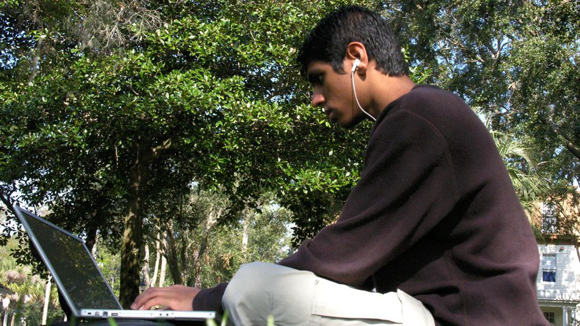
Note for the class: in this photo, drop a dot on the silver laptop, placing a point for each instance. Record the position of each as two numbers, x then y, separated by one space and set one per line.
79 279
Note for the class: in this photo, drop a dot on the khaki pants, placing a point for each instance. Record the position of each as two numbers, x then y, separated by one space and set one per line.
294 297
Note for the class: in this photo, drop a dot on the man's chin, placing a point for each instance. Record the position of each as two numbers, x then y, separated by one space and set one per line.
350 123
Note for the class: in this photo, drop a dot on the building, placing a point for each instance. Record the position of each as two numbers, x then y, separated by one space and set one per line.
558 283
558 279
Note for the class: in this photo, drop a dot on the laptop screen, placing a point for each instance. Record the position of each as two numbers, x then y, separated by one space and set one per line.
72 264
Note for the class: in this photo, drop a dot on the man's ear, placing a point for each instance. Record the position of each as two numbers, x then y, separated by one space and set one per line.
356 50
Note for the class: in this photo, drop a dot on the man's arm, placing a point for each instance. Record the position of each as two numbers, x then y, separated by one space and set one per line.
210 299
179 297
407 187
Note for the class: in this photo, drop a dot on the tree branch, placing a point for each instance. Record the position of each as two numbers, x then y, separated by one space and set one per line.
566 141
570 146
165 146
6 200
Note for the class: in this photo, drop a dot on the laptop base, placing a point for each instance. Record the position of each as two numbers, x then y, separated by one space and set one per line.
131 323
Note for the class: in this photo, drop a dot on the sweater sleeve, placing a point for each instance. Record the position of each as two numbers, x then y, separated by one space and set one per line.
210 299
406 188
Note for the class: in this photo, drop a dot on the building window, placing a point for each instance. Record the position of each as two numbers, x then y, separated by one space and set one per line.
549 218
550 316
549 268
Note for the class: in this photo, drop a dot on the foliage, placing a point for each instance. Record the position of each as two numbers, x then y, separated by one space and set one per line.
515 60
530 186
521 161
202 251
27 290
210 95
268 239
109 263
108 107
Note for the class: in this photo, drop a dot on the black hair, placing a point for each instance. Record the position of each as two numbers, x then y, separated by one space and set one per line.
328 41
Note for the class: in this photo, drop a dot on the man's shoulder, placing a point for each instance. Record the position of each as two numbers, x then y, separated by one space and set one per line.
445 113
432 96
435 104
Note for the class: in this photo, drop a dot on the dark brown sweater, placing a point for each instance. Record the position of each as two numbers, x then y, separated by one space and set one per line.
435 215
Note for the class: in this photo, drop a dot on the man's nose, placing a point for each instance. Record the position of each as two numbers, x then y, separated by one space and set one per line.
317 98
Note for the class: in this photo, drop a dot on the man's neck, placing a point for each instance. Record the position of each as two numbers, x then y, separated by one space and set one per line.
387 89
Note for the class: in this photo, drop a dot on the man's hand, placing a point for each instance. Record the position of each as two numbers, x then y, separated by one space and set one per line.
176 297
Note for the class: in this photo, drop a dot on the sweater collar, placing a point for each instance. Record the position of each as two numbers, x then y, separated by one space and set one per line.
390 106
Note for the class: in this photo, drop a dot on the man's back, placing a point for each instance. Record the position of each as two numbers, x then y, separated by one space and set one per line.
486 252
434 215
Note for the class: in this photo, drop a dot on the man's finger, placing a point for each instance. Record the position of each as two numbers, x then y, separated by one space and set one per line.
144 299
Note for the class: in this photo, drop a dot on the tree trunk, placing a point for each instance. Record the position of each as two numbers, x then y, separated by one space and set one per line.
210 222
245 233
146 268
133 229
91 240
157 262
94 248
184 262
5 319
172 254
132 238
162 272
97 217
46 300
133 223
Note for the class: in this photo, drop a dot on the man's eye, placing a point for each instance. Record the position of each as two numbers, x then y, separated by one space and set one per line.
316 79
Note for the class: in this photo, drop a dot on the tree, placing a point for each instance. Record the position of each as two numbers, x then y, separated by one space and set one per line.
529 184
99 132
516 60
26 293
211 253
108 106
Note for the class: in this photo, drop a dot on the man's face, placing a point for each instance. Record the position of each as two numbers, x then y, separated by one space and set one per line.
333 92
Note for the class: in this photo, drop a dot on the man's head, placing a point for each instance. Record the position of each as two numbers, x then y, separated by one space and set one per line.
328 41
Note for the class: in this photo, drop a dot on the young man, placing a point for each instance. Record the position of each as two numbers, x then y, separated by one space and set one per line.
433 233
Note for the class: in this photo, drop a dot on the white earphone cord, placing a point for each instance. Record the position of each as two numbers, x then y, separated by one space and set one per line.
356 97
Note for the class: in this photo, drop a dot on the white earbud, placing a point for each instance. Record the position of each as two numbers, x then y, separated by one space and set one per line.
355 64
